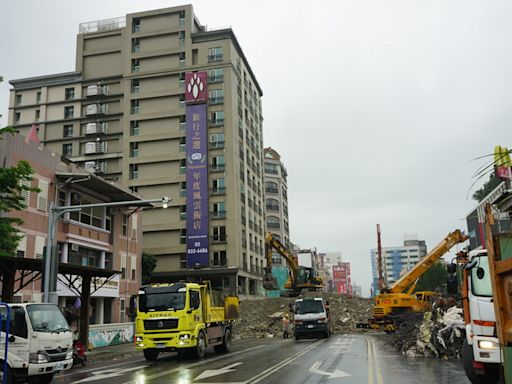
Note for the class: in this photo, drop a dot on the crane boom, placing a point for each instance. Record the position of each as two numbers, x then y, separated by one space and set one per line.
426 262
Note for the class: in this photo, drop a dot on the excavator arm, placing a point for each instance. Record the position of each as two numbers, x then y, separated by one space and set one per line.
410 278
269 281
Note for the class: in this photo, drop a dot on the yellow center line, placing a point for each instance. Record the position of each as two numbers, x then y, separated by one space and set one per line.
370 361
377 365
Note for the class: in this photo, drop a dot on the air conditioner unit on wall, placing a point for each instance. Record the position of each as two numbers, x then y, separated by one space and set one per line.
74 247
91 128
90 166
92 90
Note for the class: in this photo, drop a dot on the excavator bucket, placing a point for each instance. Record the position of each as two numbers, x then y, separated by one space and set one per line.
269 281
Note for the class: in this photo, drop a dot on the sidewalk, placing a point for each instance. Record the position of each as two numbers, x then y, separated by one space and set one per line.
115 352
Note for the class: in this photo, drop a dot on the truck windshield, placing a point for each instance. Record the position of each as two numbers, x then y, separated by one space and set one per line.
309 306
161 301
47 318
480 277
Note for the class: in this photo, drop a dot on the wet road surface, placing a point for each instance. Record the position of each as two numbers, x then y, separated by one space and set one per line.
343 359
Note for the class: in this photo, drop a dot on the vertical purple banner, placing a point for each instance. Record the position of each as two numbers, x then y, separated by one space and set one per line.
197 186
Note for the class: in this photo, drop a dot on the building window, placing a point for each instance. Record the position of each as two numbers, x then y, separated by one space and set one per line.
135 25
134 128
219 258
38 114
69 112
18 99
183 144
135 107
183 212
216 96
183 236
181 38
135 45
219 234
217 119
181 21
272 169
214 54
217 164
273 222
67 130
216 75
42 196
25 194
182 80
122 317
182 59
183 166
271 187
90 216
85 257
218 186
182 101
69 93
134 171
272 205
219 210
183 260
17 117
124 228
217 141
183 123
135 65
67 149
38 97
134 149
135 85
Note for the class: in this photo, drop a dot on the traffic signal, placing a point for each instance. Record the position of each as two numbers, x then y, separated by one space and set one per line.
502 162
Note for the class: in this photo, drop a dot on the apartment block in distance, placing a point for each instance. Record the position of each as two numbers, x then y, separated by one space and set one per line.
397 260
121 114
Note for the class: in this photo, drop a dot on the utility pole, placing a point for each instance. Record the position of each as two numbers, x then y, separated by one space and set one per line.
379 260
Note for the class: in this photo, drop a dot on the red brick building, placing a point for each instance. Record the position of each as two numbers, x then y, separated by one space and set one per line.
108 238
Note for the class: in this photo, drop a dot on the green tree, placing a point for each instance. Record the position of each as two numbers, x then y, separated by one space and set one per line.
13 181
434 279
487 188
148 266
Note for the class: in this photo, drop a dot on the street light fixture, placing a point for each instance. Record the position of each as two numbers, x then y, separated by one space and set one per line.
51 262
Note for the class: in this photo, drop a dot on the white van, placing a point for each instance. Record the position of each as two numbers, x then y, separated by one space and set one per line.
311 318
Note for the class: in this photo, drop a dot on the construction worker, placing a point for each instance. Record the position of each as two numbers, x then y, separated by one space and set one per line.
286 326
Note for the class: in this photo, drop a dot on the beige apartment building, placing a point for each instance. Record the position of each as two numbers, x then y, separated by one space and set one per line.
121 114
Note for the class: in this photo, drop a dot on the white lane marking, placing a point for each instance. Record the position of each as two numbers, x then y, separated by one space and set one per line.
131 362
108 373
207 361
278 366
214 372
315 368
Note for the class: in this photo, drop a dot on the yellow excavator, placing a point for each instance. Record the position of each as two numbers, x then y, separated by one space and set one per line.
300 278
400 297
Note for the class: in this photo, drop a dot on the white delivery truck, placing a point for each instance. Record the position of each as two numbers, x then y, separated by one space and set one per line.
39 343
311 318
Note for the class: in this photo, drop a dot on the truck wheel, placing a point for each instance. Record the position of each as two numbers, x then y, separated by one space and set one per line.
492 371
150 354
225 347
200 349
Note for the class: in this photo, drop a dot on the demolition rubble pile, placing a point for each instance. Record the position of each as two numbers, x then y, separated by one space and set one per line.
437 333
262 317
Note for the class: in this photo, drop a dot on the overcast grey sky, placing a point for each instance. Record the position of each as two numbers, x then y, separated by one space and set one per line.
377 107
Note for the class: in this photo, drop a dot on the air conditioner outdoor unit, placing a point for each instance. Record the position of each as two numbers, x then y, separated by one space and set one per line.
92 90
91 109
90 147
74 247
91 128
90 166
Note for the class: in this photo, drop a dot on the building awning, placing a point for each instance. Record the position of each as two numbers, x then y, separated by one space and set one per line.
113 192
27 264
192 274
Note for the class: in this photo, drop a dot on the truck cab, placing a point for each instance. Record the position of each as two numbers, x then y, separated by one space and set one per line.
39 342
311 318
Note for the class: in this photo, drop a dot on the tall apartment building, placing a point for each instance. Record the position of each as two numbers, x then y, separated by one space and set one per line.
397 260
121 114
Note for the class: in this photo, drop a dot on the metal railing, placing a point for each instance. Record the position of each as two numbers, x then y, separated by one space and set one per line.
102 25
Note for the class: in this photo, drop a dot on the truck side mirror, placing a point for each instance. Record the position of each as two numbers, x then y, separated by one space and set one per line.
452 285
20 324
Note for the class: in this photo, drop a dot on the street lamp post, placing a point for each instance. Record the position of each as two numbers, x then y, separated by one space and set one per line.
51 262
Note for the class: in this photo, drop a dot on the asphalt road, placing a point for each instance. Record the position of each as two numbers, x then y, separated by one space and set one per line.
343 359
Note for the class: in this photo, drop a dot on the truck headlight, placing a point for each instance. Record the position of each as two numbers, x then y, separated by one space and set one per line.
486 344
69 354
186 336
38 358
139 339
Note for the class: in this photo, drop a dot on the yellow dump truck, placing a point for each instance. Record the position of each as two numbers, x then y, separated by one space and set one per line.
183 317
